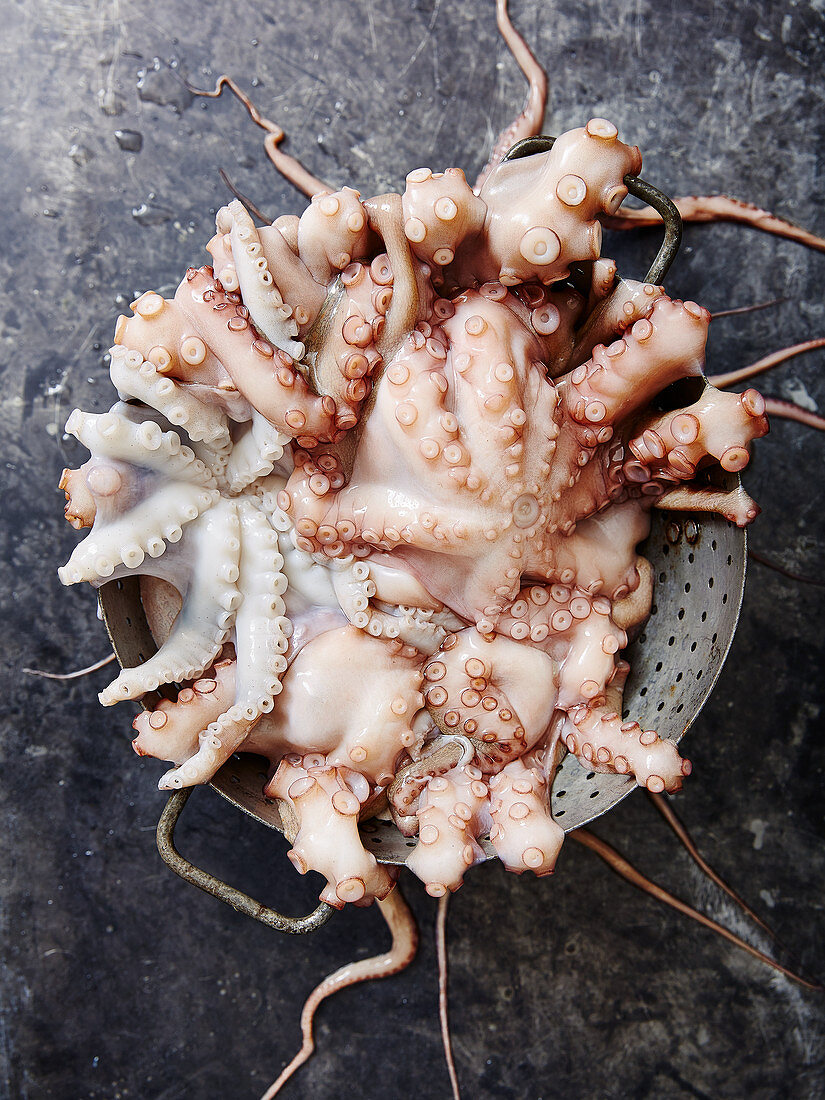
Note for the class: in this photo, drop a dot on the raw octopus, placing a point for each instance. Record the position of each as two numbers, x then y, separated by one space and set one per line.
392 460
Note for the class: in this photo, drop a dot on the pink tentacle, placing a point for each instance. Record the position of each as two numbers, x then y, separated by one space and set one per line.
719 208
746 309
627 871
531 119
721 381
401 924
787 410
289 167
678 827
441 950
769 563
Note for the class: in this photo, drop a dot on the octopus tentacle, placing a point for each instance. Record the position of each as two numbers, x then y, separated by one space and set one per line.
443 1007
451 816
254 454
625 376
215 745
111 435
267 378
76 674
135 377
499 693
262 627
734 504
599 738
161 332
171 730
320 813
790 411
207 614
401 923
386 217
262 630
628 303
634 607
719 425
627 871
731 378
593 642
332 233
718 208
524 834
671 817
291 169
439 756
440 212
143 531
529 122
275 285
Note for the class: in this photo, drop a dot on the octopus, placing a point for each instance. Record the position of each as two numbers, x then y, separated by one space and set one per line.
400 500
384 470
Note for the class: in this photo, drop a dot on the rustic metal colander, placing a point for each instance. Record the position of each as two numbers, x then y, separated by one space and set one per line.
699 570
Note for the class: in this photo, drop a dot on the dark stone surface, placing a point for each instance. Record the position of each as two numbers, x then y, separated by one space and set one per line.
119 980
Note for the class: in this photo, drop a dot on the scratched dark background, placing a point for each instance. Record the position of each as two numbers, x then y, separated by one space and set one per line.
118 979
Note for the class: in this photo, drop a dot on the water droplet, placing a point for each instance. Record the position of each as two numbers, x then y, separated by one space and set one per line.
110 102
150 214
131 141
80 154
162 86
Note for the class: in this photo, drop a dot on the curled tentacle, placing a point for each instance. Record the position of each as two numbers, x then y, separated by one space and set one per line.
204 423
719 425
320 813
207 614
451 815
291 169
401 923
524 834
141 532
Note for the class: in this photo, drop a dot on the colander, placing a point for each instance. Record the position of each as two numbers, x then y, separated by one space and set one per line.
699 568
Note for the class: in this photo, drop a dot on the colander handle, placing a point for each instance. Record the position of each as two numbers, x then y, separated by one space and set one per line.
222 890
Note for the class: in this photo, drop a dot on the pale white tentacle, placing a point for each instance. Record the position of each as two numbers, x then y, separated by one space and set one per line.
254 454
146 529
112 435
272 316
207 614
262 629
135 377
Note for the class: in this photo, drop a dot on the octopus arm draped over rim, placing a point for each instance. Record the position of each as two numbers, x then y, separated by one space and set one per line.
399 505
